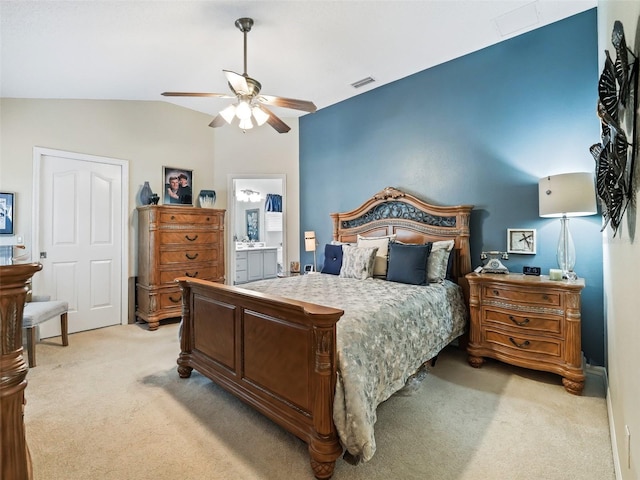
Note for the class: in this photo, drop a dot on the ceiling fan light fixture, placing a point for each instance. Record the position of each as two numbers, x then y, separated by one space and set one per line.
246 124
251 104
228 113
260 115
243 110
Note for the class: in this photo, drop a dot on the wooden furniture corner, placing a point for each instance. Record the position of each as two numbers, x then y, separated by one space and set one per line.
15 460
528 321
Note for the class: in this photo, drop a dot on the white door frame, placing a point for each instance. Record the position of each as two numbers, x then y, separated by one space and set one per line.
231 208
38 153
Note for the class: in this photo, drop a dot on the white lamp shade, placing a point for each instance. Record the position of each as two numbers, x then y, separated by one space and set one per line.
570 194
243 111
245 124
310 241
260 115
228 113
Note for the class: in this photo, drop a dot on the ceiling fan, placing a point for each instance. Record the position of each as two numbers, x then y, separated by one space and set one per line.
250 105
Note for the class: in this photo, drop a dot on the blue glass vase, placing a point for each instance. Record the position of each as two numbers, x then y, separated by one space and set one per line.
145 194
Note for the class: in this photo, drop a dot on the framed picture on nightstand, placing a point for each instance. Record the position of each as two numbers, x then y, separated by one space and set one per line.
521 240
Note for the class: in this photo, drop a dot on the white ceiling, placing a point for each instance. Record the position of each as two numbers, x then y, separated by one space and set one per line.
311 50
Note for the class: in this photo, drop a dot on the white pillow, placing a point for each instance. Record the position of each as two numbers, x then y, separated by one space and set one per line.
438 260
357 262
382 257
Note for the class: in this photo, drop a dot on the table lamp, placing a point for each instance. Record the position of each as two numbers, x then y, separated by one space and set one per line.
310 246
567 195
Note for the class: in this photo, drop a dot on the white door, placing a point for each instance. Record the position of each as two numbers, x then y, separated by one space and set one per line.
80 238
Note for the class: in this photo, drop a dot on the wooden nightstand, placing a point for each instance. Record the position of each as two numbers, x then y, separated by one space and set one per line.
528 321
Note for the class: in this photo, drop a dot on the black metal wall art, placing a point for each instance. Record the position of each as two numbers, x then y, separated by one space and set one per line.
617 108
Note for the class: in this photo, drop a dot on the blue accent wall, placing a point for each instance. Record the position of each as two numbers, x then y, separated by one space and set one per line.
481 130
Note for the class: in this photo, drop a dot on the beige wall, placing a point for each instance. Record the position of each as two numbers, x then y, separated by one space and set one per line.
148 135
262 151
621 267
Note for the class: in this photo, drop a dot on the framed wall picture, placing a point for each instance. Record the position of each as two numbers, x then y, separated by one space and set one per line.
253 224
7 207
521 240
178 186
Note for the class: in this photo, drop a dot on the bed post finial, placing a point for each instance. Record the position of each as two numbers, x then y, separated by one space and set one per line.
389 192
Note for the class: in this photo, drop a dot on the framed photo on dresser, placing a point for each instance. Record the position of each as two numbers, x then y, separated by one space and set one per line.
178 186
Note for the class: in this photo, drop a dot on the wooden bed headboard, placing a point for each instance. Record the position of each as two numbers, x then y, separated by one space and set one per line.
393 211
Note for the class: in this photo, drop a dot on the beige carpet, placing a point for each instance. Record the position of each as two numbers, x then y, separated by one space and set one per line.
111 406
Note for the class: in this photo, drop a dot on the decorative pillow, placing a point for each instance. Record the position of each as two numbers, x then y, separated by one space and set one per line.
332 259
408 263
336 242
450 266
357 262
439 260
382 257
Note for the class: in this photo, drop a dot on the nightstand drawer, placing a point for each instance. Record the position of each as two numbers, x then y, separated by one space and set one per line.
524 344
524 321
499 292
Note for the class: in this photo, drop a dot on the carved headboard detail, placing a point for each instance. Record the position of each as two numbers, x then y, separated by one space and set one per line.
392 211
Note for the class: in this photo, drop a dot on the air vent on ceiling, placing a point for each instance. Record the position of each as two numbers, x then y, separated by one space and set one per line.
363 82
520 19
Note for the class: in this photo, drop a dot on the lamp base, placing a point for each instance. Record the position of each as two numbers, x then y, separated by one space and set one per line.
570 275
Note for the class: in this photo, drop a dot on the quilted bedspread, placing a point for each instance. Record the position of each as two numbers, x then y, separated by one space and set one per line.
387 332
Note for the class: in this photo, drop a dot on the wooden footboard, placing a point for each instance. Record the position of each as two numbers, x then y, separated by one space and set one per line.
275 354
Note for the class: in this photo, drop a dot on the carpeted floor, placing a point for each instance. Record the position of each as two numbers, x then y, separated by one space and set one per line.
111 406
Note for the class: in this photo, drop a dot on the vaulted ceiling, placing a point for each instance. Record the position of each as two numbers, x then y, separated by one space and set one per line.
312 50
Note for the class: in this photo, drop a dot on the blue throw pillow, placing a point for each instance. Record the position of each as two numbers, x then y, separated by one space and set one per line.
408 263
332 259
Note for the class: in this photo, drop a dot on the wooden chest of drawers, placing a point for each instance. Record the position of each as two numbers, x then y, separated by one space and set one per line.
175 242
528 321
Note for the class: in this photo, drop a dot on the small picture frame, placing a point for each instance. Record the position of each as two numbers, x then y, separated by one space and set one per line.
177 186
521 240
7 209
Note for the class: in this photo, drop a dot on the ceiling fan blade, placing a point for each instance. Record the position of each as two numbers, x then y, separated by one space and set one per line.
219 121
195 94
238 82
304 105
274 121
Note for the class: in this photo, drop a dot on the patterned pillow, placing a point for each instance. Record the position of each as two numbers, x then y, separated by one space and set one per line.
382 257
439 260
408 263
357 262
332 259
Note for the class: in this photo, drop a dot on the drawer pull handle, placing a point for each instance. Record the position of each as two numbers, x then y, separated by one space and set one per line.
192 276
496 293
191 239
175 300
191 257
520 324
545 297
519 345
172 217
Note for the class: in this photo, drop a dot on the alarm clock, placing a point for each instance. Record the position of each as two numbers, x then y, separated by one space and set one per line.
531 270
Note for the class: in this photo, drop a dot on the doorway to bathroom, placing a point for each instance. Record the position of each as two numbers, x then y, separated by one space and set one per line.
256 226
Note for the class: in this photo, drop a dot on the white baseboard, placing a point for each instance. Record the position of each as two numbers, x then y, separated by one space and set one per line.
612 432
